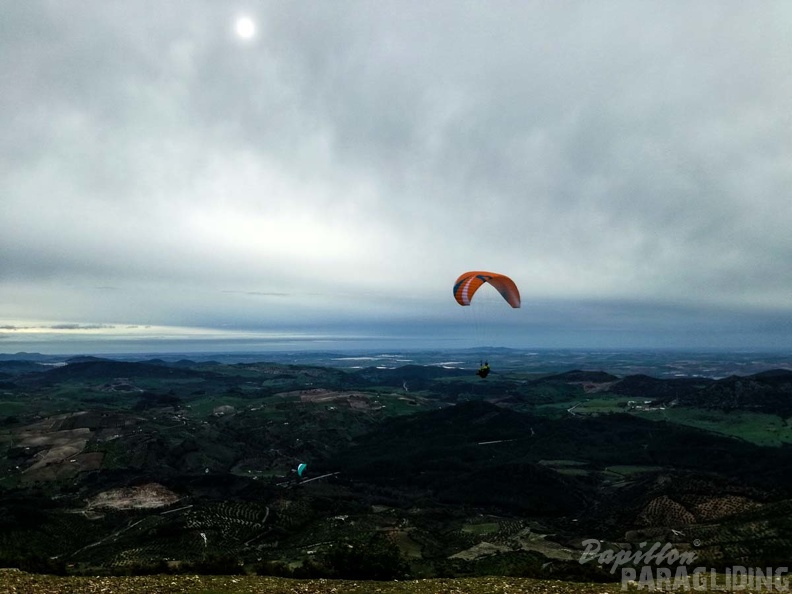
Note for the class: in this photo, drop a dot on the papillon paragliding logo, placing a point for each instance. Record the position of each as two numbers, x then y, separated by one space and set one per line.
486 315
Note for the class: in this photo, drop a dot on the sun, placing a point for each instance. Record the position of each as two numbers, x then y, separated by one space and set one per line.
245 27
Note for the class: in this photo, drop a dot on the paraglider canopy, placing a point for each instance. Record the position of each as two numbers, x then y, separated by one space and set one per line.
301 469
469 282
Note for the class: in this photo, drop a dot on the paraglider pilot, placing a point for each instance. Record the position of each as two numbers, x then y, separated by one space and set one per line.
483 370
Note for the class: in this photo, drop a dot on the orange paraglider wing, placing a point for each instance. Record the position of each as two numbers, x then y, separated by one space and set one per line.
468 283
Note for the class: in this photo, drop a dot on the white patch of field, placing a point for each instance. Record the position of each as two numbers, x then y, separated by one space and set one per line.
37 439
482 549
150 496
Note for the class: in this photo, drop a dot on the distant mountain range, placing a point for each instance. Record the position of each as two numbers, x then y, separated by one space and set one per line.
663 364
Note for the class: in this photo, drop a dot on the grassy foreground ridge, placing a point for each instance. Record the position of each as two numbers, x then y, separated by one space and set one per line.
18 582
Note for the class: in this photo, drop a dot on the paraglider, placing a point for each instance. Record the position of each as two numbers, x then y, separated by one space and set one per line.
468 283
299 470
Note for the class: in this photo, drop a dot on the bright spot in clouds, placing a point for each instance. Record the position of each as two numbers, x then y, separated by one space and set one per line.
245 27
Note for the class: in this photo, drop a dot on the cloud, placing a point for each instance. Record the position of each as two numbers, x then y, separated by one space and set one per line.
258 293
354 161
79 327
14 328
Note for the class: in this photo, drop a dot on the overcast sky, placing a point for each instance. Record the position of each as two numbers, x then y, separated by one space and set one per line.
164 178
